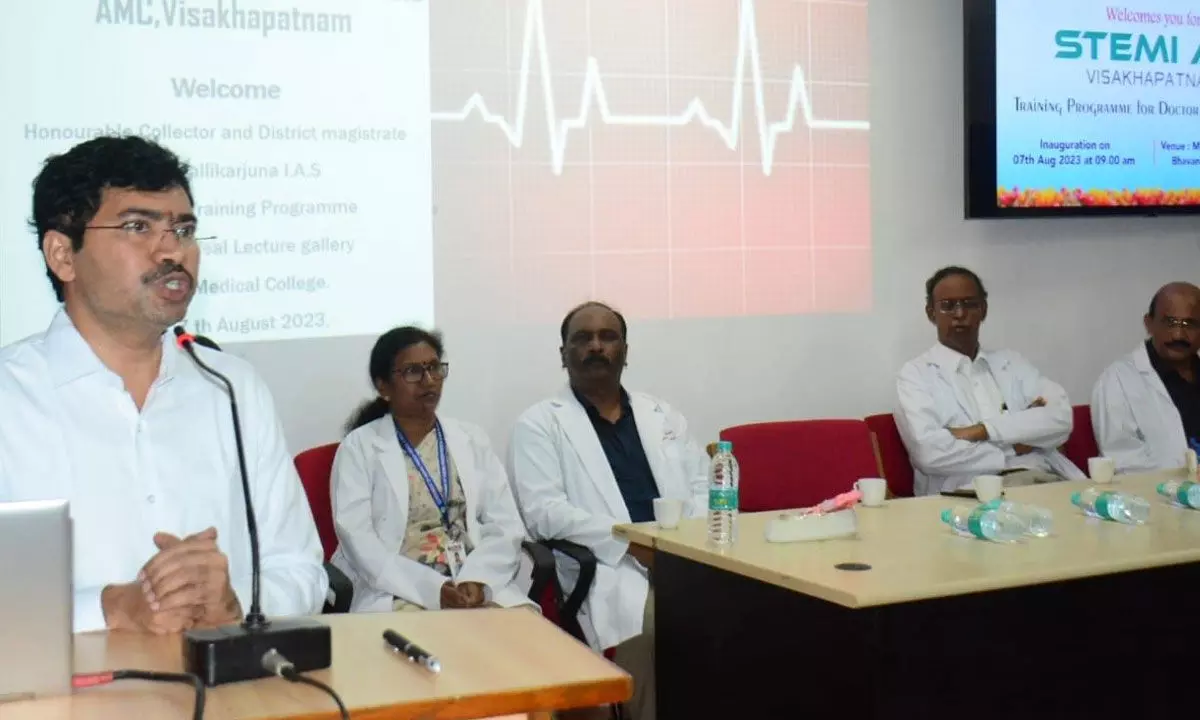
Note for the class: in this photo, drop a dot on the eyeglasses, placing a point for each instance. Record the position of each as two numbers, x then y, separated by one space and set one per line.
948 307
1189 324
414 374
144 231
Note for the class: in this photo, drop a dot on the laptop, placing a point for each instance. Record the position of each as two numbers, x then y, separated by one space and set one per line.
36 600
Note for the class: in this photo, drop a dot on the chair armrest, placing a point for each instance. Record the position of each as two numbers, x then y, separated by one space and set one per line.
586 560
340 588
542 575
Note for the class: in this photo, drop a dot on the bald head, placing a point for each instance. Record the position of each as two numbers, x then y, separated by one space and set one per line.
1185 289
1173 323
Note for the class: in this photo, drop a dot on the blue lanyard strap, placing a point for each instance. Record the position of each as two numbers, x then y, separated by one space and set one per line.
441 496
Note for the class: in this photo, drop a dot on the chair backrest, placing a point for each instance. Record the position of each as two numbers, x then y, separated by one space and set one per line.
1081 445
893 456
799 463
315 467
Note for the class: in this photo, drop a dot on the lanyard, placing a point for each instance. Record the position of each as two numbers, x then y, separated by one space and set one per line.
441 497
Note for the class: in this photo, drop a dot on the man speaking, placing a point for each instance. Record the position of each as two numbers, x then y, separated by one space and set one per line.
104 410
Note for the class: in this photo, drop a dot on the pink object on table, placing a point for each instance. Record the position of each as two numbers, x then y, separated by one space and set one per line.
841 502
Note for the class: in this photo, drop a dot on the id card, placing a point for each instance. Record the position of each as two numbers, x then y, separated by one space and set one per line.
456 554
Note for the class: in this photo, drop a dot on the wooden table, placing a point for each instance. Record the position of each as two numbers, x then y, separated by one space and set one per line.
1093 620
495 662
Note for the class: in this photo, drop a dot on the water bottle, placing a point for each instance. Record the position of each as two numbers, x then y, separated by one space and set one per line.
985 523
723 495
1038 521
1110 505
1183 494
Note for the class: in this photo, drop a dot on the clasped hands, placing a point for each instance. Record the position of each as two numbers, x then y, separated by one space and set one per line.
185 585
464 596
978 432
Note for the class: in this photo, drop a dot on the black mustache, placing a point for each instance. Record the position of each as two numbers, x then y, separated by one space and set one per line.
596 360
1179 345
167 268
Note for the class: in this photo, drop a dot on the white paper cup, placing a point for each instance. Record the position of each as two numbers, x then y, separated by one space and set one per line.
988 487
668 512
1102 469
873 490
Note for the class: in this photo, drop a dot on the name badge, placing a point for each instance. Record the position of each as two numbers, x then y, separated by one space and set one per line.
456 555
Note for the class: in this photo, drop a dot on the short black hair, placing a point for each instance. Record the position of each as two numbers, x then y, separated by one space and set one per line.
950 271
68 190
382 362
562 331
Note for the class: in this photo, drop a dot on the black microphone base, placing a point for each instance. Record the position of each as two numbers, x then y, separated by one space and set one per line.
232 653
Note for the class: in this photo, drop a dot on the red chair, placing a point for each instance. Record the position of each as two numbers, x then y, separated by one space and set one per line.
799 463
893 456
1081 444
315 466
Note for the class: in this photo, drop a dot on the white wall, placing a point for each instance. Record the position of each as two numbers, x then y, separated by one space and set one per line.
1067 293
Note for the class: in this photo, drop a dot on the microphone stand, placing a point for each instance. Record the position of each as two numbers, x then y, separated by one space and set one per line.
233 653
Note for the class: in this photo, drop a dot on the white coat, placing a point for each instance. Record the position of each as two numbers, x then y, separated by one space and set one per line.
566 490
1135 421
930 402
369 490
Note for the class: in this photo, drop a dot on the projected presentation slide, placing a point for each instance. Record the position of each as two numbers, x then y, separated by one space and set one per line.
1098 103
679 158
307 128
369 162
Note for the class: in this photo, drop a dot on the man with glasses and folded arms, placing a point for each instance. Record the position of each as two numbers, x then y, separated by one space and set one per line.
1146 406
105 411
964 411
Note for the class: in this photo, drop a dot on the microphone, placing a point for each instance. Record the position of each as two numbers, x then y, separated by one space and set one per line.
234 653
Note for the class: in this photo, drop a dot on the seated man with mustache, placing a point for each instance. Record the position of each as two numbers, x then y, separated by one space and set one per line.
594 456
105 411
1146 406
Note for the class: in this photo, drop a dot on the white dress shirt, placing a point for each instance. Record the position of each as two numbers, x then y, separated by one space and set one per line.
69 429
943 389
975 379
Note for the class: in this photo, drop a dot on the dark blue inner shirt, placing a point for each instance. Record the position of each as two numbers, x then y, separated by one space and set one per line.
1185 395
623 448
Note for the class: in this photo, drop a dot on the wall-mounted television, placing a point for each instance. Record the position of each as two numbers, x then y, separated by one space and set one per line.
1085 107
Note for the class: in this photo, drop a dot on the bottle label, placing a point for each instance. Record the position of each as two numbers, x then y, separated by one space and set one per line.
975 521
1182 493
722 499
1101 505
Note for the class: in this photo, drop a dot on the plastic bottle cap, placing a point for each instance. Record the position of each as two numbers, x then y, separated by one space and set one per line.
946 516
1161 489
1075 498
725 446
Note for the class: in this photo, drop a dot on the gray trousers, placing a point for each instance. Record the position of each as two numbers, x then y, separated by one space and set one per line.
636 657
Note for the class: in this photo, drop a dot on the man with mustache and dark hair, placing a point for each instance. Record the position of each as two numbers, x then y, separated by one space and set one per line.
104 410
963 410
1146 406
595 456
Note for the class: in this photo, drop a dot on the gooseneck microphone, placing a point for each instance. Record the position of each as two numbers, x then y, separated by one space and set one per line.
254 618
233 653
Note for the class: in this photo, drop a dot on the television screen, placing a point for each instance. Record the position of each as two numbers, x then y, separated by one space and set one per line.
1082 107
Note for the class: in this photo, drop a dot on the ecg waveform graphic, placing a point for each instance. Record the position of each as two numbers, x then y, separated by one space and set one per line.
799 103
678 158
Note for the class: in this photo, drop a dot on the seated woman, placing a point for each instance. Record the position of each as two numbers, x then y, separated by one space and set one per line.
424 513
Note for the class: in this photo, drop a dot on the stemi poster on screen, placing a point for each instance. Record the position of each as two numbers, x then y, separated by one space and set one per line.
1097 104
306 125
